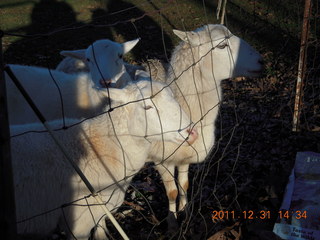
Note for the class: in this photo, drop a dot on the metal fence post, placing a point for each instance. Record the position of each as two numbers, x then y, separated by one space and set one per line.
8 213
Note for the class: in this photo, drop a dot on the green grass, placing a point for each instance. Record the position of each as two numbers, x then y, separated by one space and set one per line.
15 15
183 14
268 25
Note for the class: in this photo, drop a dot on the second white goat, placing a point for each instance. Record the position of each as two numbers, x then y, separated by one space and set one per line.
103 59
198 64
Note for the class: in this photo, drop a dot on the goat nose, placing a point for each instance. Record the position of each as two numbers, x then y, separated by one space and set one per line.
192 135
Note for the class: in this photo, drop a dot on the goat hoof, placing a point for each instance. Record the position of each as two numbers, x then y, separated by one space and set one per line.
182 216
172 223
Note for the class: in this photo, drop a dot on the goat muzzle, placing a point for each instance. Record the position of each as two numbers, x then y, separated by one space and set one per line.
192 135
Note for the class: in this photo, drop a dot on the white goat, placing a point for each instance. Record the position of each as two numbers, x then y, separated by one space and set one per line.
108 149
78 97
103 59
75 62
198 64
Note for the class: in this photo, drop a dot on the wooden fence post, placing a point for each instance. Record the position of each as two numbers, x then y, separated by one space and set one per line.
301 66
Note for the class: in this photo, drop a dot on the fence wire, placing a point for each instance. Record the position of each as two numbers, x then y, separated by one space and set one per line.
246 171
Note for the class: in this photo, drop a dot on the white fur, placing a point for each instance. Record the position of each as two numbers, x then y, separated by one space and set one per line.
72 65
103 59
198 64
80 97
76 63
109 148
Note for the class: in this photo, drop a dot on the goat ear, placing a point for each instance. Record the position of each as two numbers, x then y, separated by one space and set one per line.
191 37
127 46
78 54
141 75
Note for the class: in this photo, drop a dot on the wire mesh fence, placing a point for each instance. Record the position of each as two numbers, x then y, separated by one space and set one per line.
246 171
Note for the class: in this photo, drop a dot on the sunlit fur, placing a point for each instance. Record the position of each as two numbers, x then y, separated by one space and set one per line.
198 64
108 149
103 59
80 97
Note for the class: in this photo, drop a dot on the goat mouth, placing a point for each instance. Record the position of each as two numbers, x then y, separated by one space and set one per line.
182 141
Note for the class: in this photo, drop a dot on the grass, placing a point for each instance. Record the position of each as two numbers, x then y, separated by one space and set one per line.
151 21
247 18
15 15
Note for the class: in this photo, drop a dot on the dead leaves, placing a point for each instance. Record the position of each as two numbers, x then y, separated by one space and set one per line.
228 233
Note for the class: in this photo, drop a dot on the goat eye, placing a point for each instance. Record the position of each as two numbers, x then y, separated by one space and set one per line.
222 46
120 56
147 107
